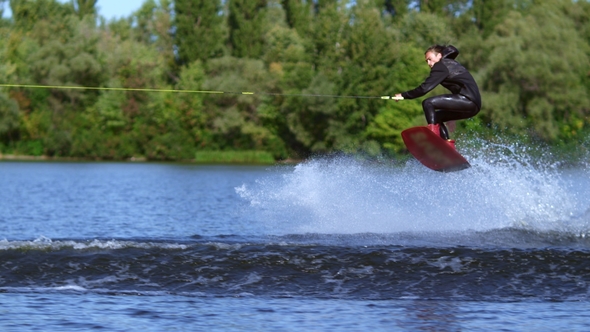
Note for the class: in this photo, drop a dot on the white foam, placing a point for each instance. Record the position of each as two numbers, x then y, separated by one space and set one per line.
70 288
503 188
45 243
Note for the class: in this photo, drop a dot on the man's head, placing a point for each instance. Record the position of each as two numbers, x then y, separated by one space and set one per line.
433 54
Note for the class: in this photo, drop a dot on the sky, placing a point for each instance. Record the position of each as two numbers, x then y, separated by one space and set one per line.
107 8
116 8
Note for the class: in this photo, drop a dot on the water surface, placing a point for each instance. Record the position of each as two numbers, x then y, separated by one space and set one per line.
330 244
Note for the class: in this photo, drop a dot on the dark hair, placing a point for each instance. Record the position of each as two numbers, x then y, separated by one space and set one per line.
436 48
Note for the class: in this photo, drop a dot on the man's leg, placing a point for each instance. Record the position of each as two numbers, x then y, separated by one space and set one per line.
443 108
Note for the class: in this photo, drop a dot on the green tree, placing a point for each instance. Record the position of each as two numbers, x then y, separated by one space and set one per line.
293 118
59 50
437 7
236 120
9 110
308 119
370 57
395 8
424 29
68 56
85 7
173 124
26 13
442 8
299 15
393 117
327 35
101 132
290 53
190 106
151 25
247 20
9 118
380 61
487 14
161 130
122 123
199 30
534 78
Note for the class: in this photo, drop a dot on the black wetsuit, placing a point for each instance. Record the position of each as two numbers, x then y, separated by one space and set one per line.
465 100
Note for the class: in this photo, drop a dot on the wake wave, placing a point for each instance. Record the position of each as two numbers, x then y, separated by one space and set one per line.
292 266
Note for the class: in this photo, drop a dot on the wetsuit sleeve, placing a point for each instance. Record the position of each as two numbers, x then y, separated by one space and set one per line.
438 73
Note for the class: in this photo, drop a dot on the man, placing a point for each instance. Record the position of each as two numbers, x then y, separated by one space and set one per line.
463 103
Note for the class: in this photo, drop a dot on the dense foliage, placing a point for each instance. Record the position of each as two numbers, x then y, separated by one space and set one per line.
530 58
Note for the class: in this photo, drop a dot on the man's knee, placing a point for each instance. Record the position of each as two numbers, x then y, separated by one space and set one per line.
429 110
427 104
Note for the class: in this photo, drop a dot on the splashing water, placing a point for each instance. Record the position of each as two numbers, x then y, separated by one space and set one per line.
504 188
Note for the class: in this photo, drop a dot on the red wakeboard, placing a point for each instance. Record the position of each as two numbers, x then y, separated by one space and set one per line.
433 151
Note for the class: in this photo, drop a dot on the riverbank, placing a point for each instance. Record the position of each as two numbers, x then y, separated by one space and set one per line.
210 157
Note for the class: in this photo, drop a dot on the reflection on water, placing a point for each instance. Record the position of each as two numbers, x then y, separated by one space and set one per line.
62 312
430 316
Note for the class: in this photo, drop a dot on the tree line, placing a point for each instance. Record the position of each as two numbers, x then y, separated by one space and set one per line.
529 57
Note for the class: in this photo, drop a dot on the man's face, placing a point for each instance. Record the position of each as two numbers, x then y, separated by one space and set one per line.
432 58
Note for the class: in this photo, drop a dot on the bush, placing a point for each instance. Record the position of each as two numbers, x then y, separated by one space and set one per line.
237 157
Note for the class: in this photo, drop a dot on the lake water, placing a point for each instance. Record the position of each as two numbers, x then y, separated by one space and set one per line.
330 244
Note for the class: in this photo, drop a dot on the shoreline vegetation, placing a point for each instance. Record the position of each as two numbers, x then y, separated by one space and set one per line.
263 81
201 157
531 154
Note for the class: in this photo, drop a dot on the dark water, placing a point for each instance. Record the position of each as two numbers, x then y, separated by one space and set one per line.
336 244
284 268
